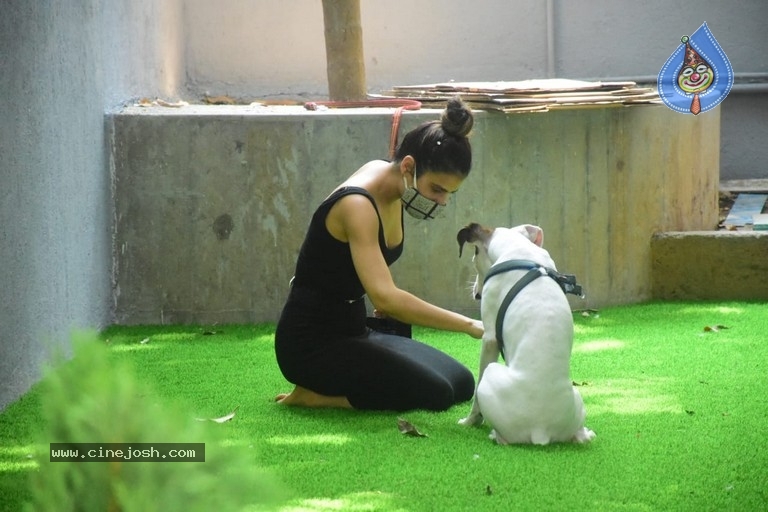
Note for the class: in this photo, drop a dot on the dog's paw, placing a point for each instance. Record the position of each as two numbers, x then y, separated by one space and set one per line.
473 420
583 435
495 436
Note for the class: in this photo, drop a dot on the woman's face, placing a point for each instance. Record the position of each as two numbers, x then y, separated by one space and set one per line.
438 186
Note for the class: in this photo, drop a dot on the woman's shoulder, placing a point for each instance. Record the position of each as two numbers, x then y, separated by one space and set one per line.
354 202
353 210
351 194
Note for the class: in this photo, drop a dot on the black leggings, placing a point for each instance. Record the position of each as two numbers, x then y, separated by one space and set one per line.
324 346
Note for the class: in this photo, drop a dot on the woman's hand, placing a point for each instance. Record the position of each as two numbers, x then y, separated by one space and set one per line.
476 329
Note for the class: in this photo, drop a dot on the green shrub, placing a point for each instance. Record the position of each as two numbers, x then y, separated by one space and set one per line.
91 399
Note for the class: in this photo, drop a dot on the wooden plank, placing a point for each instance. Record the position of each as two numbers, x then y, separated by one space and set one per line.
586 106
552 84
516 97
532 95
582 94
529 108
574 99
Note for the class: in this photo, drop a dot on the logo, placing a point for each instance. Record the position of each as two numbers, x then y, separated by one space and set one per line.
697 76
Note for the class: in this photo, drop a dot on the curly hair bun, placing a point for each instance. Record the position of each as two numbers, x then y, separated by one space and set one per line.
457 118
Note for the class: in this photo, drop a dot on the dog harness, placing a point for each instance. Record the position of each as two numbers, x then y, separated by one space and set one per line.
567 283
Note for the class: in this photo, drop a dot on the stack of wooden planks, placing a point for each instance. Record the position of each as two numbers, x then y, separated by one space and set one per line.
529 95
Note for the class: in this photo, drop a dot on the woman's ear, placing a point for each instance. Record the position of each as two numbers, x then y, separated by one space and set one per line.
407 165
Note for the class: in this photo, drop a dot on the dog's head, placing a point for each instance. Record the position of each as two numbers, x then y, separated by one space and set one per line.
491 244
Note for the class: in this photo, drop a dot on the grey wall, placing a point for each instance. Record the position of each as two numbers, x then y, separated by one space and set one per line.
744 136
62 66
275 48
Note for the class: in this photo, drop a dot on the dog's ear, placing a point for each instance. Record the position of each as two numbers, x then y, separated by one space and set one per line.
535 234
463 236
472 234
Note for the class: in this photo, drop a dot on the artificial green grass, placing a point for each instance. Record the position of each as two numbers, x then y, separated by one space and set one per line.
676 392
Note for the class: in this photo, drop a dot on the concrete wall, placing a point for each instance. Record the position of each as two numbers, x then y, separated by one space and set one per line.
212 202
743 147
735 266
275 48
62 65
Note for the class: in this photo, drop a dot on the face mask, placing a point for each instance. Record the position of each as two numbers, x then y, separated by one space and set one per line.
418 206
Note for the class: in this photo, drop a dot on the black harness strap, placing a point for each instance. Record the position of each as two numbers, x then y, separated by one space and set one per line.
567 283
527 279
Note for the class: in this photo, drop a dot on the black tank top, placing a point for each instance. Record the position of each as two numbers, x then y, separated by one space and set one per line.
325 263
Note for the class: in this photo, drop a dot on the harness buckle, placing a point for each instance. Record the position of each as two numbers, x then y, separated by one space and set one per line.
568 283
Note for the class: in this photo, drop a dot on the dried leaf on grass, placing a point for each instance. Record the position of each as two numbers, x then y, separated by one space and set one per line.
223 419
407 428
212 330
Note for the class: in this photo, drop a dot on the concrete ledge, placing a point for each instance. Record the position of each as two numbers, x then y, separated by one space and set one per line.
710 265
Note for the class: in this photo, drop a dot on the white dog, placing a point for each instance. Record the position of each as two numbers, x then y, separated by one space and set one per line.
532 399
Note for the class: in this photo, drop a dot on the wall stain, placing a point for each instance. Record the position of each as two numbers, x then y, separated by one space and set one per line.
223 226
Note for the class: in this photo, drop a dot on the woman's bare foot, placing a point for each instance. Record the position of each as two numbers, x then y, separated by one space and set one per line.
304 397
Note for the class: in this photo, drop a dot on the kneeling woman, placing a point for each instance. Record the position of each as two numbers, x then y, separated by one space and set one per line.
322 343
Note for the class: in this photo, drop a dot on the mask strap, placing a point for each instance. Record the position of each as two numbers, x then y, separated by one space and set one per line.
415 183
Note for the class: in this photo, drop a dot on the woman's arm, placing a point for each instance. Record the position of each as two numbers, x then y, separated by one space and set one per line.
360 224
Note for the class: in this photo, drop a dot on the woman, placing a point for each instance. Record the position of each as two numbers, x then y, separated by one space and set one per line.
322 343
